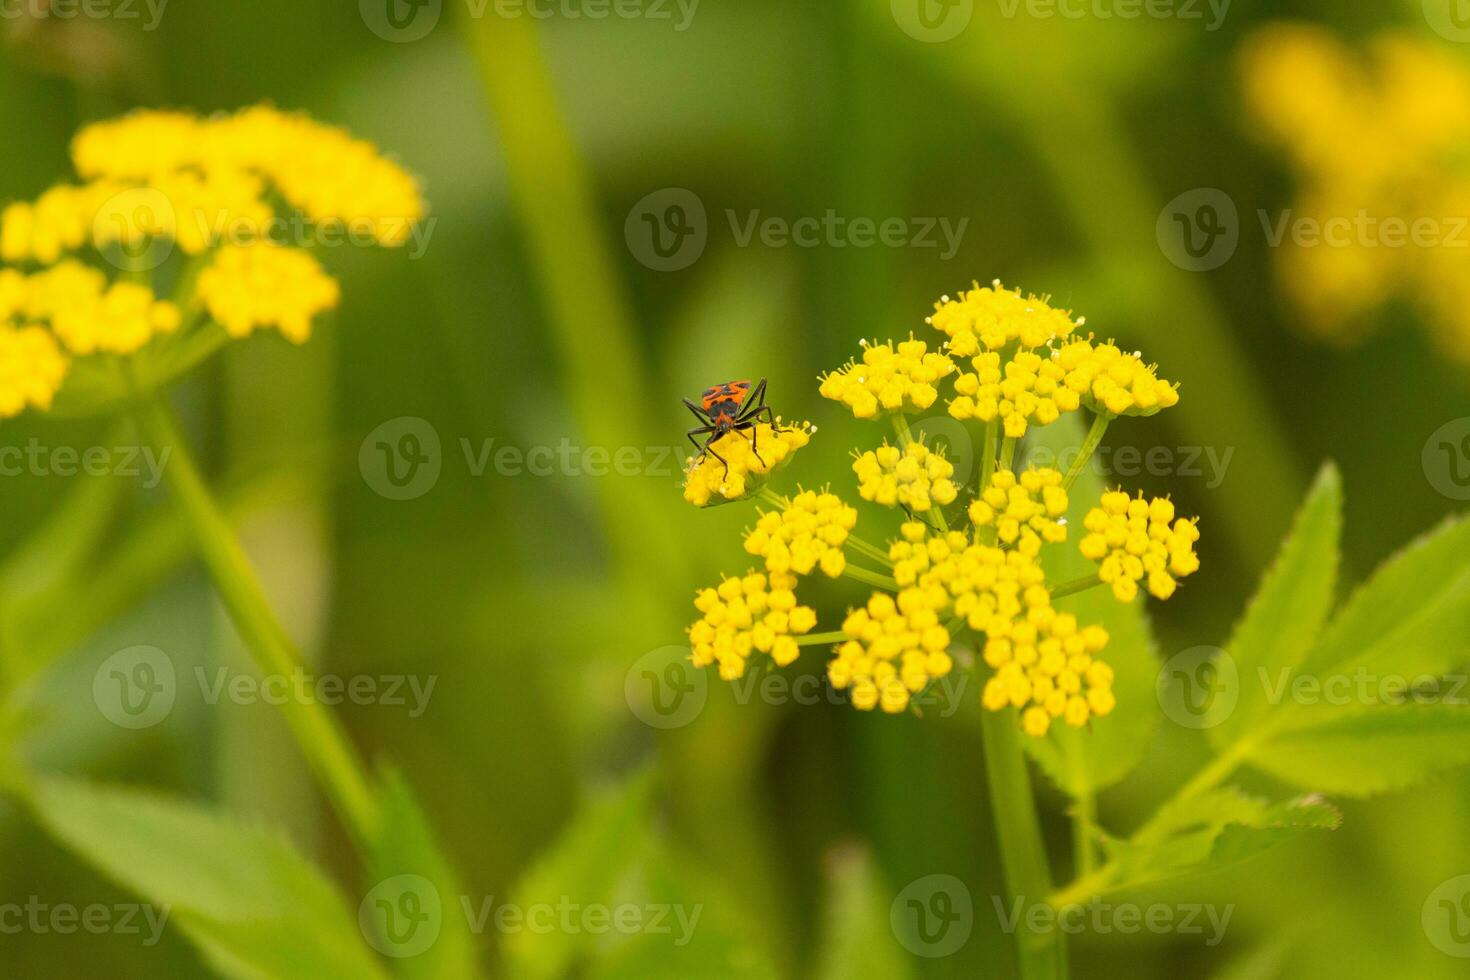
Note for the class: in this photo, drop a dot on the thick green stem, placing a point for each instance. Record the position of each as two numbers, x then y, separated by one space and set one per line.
867 577
987 453
320 738
1042 955
901 427
1089 446
1075 586
818 639
1008 453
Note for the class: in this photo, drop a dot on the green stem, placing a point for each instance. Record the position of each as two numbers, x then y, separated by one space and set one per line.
1042 955
817 639
901 426
1075 586
1008 452
868 577
868 550
1084 818
319 736
1089 446
987 455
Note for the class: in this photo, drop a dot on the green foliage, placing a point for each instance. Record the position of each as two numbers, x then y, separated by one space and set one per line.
244 896
858 941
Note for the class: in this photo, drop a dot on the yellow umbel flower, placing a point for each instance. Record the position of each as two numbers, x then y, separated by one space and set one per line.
1131 538
1047 662
1025 511
896 647
915 477
807 534
32 367
1031 388
706 480
743 617
987 586
889 378
993 318
264 285
1112 382
85 312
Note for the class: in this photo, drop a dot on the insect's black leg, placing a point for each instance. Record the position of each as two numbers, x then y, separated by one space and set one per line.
754 399
702 430
711 450
699 413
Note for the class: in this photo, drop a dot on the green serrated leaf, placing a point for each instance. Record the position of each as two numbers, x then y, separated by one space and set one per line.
858 942
1412 617
583 867
1359 753
1082 762
1286 616
244 896
406 846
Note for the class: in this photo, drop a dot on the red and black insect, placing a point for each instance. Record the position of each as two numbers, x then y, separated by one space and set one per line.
734 406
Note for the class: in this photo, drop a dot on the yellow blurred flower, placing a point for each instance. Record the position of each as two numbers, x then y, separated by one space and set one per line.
889 378
807 534
264 285
1133 538
706 480
749 616
32 367
84 312
914 477
993 318
896 646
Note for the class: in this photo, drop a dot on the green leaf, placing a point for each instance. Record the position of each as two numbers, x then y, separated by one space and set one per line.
583 867
1286 616
858 941
1215 828
1361 753
1082 762
1412 617
406 847
244 896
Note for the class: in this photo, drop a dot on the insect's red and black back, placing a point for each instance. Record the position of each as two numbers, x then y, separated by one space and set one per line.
725 399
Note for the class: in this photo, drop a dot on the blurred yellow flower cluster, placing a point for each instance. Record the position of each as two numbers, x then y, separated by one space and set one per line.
993 318
745 616
155 182
31 369
896 647
707 481
1131 538
914 477
1377 139
889 378
944 580
807 534
1025 511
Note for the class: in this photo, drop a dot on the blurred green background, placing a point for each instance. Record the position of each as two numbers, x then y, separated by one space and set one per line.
534 316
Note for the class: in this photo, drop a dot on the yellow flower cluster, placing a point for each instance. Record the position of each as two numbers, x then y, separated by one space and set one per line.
988 586
1025 511
993 318
84 311
265 285
1377 141
1032 388
706 481
896 647
914 477
889 378
807 534
1112 382
31 369
1131 538
1046 661
745 616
